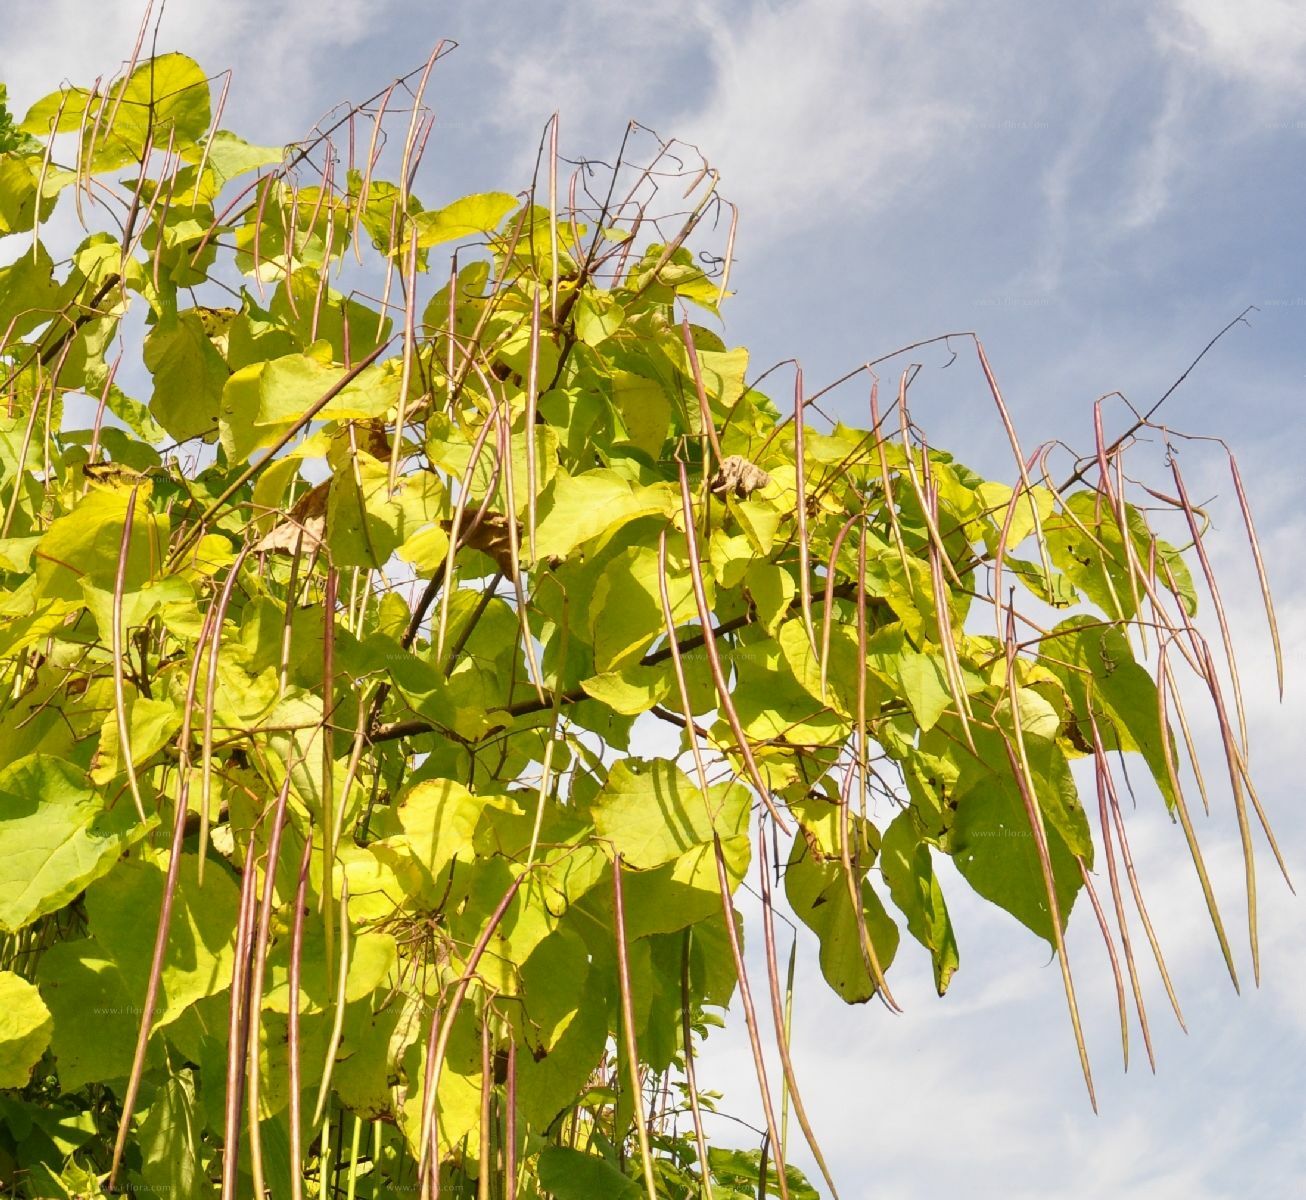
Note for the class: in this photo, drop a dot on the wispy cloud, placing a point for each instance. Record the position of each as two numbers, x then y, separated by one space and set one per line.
820 105
278 50
1260 46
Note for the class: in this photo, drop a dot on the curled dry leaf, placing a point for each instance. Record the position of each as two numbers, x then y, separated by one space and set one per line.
304 526
491 536
736 474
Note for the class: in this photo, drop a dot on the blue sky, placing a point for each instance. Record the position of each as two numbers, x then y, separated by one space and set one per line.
1094 190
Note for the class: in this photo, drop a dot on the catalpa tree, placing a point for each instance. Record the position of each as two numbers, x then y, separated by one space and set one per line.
349 549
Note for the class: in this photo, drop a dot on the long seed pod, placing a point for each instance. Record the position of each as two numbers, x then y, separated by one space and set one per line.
1262 578
430 1087
852 878
1234 757
156 259
628 1029
290 232
914 478
210 694
338 1018
19 470
129 236
430 1079
1118 821
827 611
1165 683
862 747
553 218
292 1019
678 666
788 1026
1116 499
1265 823
365 186
729 256
1206 671
1020 771
546 765
361 727
1000 554
165 909
1014 442
328 239
778 1017
704 407
1117 901
691 1078
406 371
327 732
259 968
1133 563
800 509
409 163
456 529
587 261
215 123
86 148
120 657
514 546
1199 544
532 410
238 1016
486 1166
326 1159
1107 940
351 1180
264 194
714 657
393 246
510 1123
40 189
1054 913
947 639
750 1013
886 482
451 330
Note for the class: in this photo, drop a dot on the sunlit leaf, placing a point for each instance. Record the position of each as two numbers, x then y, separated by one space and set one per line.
57 835
199 954
651 813
24 1029
820 896
463 218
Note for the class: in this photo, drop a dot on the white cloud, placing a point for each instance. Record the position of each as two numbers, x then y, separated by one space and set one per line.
836 106
1226 74
598 63
1158 159
278 48
1260 44
805 106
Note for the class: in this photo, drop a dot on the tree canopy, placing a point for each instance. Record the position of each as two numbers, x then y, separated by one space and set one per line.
350 550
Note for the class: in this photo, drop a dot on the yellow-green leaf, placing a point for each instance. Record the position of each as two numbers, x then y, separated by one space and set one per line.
24 1029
